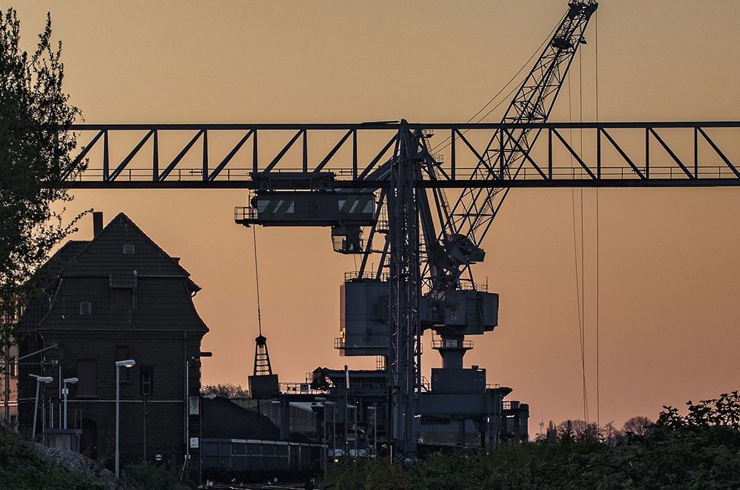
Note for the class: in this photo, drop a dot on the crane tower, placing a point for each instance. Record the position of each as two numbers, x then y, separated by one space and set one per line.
427 247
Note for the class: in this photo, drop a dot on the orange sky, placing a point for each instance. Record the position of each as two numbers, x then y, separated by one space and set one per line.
668 275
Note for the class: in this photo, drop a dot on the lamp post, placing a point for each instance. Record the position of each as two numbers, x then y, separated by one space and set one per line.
374 411
333 433
324 404
65 392
354 428
326 445
39 380
192 361
200 424
128 363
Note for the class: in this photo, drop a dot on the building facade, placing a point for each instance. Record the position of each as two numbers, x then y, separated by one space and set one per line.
116 297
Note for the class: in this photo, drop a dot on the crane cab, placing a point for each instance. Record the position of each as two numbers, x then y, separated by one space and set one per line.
308 208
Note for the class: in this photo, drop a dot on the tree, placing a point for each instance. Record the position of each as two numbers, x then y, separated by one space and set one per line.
35 165
610 435
637 426
228 390
722 412
578 430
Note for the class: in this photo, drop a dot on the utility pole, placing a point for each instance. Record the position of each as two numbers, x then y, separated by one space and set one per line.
6 389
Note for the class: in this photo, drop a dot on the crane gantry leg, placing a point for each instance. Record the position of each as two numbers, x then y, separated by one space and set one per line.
405 291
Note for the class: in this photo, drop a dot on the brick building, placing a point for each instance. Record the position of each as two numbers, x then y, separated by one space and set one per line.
118 296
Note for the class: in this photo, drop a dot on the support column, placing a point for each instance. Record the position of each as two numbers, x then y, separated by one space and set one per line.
405 289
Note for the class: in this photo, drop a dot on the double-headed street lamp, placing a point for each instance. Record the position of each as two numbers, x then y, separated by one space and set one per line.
128 363
39 380
65 392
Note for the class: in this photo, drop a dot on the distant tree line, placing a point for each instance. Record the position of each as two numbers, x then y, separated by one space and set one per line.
227 390
608 434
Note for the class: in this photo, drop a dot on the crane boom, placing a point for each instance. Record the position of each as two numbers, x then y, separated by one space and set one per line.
474 211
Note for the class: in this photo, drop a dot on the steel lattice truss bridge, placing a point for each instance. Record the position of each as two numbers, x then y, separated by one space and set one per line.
213 156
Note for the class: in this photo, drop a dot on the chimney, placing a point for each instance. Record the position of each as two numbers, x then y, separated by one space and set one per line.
97 222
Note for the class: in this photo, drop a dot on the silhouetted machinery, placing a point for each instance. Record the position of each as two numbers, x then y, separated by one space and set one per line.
386 198
263 383
427 248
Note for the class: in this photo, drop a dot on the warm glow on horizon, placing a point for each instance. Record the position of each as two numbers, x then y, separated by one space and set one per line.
669 274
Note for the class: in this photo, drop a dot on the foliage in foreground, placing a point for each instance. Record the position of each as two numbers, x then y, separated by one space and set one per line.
21 468
148 476
145 476
35 162
699 450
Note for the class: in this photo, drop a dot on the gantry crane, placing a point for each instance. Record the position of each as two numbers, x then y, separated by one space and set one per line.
429 283
395 206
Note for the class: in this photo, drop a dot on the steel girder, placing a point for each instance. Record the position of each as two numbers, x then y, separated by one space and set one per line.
645 154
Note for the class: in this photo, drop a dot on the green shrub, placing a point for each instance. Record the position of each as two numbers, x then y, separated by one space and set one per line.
21 468
146 476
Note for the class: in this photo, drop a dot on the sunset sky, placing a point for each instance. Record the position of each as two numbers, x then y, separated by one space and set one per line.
669 267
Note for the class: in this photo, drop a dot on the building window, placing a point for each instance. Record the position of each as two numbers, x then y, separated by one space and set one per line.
123 290
85 308
128 248
87 374
453 313
147 380
122 355
122 298
193 405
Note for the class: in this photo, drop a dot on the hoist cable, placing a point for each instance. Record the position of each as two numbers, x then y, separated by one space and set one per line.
583 246
579 273
257 279
447 141
598 257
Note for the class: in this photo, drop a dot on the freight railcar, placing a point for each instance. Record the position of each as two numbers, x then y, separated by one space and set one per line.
252 459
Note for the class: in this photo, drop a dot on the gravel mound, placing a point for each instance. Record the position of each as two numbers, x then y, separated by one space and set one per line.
78 463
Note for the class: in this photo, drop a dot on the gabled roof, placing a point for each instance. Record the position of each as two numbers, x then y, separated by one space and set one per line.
43 284
109 253
127 282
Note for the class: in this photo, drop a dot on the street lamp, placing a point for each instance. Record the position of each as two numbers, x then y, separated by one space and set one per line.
333 427
65 392
39 380
325 403
354 428
374 411
322 402
128 363
191 361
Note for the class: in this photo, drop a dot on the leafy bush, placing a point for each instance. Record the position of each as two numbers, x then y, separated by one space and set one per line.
148 476
145 476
